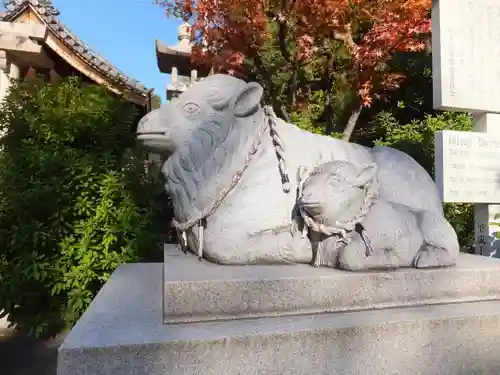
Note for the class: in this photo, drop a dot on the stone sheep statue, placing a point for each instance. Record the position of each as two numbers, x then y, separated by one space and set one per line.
227 163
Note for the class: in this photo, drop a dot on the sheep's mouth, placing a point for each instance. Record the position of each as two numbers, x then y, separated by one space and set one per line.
149 133
146 136
157 142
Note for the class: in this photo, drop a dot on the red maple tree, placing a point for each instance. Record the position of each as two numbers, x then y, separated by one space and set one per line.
367 33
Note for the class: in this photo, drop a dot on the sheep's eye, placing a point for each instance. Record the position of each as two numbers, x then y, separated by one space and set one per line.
191 108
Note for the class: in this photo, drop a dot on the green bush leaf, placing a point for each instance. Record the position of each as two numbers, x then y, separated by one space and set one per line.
76 200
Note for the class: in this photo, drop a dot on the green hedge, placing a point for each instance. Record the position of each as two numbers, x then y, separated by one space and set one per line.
76 200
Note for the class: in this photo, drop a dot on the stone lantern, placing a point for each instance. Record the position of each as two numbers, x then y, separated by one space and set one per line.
176 60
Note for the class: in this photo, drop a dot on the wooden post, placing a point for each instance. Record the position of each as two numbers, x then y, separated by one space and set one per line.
14 72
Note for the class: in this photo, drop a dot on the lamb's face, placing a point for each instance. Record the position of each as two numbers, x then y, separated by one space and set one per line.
335 191
329 198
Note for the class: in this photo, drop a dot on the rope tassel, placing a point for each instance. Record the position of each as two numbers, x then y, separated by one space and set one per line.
201 235
182 240
368 243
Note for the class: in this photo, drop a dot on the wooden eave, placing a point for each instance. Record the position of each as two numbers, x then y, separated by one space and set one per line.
81 57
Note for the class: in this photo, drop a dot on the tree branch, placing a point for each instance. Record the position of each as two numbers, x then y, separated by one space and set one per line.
282 21
293 83
283 113
282 32
346 38
279 107
259 64
428 45
327 83
351 123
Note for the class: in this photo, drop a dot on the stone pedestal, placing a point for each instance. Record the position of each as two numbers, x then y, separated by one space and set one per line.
289 320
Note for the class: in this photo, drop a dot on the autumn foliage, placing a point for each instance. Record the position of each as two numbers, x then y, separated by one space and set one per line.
322 43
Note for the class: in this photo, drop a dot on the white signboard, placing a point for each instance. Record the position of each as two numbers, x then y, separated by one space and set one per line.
467 167
466 55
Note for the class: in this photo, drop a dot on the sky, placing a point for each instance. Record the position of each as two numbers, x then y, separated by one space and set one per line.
124 33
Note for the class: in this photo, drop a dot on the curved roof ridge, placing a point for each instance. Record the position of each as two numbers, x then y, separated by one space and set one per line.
49 14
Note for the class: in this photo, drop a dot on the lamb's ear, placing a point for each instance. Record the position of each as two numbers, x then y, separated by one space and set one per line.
248 99
365 174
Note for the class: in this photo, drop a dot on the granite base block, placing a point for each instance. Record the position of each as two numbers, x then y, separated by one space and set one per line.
122 333
203 291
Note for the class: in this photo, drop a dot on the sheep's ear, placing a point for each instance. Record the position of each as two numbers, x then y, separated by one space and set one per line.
366 174
248 100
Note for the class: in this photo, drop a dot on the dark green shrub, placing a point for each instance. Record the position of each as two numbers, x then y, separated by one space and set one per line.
76 200
417 139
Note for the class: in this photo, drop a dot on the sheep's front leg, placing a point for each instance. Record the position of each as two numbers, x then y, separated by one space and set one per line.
353 257
327 252
239 248
299 250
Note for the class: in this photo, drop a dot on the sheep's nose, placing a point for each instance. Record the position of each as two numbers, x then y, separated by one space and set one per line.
142 125
148 123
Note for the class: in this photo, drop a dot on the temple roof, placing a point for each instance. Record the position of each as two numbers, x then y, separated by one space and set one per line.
49 15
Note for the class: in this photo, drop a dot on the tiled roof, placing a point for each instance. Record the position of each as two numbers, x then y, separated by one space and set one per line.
50 15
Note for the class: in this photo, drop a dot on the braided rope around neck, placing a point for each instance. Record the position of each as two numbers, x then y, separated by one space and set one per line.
200 220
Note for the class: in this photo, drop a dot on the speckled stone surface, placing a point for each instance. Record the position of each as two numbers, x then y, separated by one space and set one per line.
203 291
122 333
